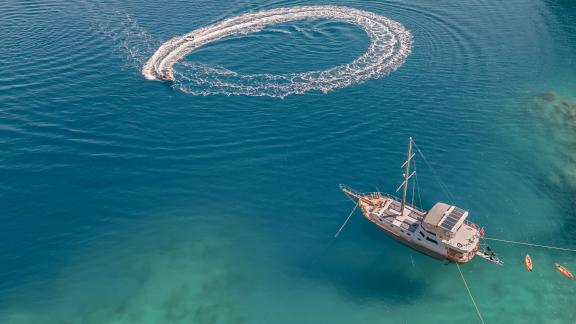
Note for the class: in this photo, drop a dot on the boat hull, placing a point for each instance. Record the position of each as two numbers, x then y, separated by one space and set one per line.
405 224
408 243
528 263
419 248
369 202
564 271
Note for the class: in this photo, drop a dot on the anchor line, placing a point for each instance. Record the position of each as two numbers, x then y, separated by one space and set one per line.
531 244
470 294
346 221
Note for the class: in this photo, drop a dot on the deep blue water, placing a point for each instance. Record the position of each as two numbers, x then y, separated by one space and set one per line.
129 201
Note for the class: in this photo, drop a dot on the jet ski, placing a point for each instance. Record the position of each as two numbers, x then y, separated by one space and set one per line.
166 75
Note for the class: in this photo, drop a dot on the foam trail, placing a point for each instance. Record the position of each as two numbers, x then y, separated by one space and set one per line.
390 44
134 42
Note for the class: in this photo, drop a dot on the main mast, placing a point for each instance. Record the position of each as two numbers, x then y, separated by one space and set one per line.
407 175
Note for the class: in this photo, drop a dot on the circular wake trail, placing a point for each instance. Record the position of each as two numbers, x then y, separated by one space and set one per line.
390 44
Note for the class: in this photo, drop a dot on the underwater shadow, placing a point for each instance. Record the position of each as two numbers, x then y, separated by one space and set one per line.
379 278
372 284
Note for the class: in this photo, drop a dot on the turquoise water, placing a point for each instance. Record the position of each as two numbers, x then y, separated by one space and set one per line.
131 201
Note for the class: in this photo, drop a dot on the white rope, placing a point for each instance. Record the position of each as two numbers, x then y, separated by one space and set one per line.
470 293
346 221
413 189
417 186
352 200
442 184
531 244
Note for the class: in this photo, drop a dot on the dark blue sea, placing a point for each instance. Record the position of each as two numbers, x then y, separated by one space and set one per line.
125 200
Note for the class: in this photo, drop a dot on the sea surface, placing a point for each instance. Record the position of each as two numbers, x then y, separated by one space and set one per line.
125 200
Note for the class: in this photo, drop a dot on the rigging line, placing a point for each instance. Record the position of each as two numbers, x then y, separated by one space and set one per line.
531 244
444 187
352 200
442 184
346 221
470 293
413 189
417 185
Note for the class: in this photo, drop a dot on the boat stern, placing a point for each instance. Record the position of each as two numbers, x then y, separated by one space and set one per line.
463 246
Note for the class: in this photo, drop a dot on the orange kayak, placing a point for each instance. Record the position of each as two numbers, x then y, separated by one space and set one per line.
564 271
528 262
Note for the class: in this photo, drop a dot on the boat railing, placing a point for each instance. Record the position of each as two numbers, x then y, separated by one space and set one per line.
471 224
345 188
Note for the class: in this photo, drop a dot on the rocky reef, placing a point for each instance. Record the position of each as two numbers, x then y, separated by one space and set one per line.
172 281
556 116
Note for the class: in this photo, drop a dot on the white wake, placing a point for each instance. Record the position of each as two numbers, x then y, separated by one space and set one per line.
390 44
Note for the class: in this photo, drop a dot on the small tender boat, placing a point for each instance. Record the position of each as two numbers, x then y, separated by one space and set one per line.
528 262
564 271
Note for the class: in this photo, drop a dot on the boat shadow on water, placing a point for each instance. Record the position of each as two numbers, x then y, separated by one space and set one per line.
372 284
379 278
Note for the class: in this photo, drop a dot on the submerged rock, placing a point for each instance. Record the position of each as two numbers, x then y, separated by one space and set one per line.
556 115
174 280
548 95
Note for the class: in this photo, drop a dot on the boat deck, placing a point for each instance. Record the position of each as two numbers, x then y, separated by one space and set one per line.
388 210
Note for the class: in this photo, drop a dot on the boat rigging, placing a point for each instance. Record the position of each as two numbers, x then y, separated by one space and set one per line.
443 232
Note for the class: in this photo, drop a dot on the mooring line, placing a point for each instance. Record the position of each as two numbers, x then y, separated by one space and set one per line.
470 294
346 221
531 244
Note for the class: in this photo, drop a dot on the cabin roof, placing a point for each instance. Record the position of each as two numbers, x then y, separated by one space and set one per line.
454 219
436 213
445 217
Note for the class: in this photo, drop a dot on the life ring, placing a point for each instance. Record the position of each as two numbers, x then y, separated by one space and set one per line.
459 244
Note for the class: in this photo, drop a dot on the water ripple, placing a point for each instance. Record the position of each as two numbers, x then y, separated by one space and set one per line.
390 45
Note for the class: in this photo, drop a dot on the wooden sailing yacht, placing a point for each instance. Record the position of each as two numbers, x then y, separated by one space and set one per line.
442 232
